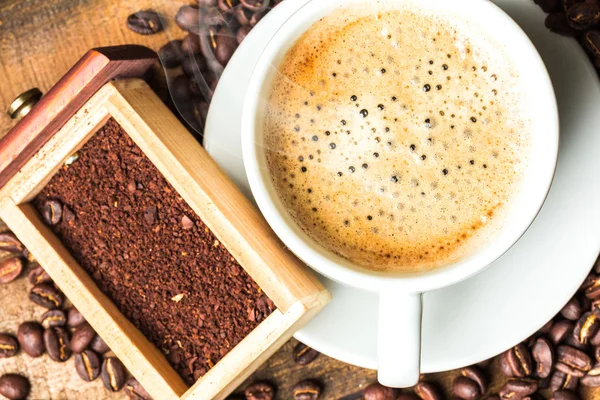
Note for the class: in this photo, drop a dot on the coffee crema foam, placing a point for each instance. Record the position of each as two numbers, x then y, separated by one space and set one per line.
394 138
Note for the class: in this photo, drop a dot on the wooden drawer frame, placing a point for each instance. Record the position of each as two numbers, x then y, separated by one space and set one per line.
237 224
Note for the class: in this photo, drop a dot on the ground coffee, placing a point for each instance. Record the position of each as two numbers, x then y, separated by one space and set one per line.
152 255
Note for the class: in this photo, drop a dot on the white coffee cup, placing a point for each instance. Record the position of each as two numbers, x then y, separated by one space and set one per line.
400 295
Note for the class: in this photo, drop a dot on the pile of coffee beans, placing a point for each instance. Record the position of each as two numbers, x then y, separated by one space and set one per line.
61 331
194 64
576 18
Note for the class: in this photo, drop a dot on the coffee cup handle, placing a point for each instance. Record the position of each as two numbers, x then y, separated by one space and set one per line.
399 338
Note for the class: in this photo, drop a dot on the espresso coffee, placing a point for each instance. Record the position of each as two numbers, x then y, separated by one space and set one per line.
395 138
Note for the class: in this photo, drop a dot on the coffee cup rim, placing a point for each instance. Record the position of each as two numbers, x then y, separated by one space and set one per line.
324 261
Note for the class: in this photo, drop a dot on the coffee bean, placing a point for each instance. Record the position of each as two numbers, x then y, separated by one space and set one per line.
10 244
98 345
560 331
583 16
254 5
543 354
586 328
517 388
592 378
56 340
428 391
113 374
226 44
572 310
9 346
307 390
243 16
180 89
260 391
564 395
560 380
194 66
171 54
227 5
14 387
74 318
557 23
548 5
46 295
544 330
53 318
475 374
377 391
188 18
242 33
30 337
87 365
572 361
52 212
146 22
504 367
256 17
37 274
304 355
519 361
82 336
10 269
592 42
191 44
465 388
135 390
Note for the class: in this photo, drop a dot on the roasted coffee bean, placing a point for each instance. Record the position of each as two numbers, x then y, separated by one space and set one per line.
243 16
519 360
135 390
113 374
171 54
504 367
564 395
193 66
98 345
9 346
191 44
56 340
560 380
14 387
465 388
560 331
557 23
52 212
227 5
188 18
586 328
260 391
592 42
592 378
571 341
428 391
544 330
242 32
548 5
256 17
180 89
304 355
87 365
377 391
146 22
572 310
475 374
226 44
543 354
572 361
10 269
583 16
586 304
82 336
37 274
30 337
485 363
10 244
74 318
46 295
517 388
307 390
53 318
254 5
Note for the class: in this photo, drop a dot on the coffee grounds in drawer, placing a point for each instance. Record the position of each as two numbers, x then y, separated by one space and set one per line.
152 255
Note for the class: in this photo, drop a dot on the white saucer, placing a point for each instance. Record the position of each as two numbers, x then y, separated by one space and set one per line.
486 314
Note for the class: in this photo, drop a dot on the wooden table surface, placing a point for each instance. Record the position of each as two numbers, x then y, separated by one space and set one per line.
39 41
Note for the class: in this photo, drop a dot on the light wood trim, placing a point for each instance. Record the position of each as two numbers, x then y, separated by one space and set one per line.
255 349
218 202
140 356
